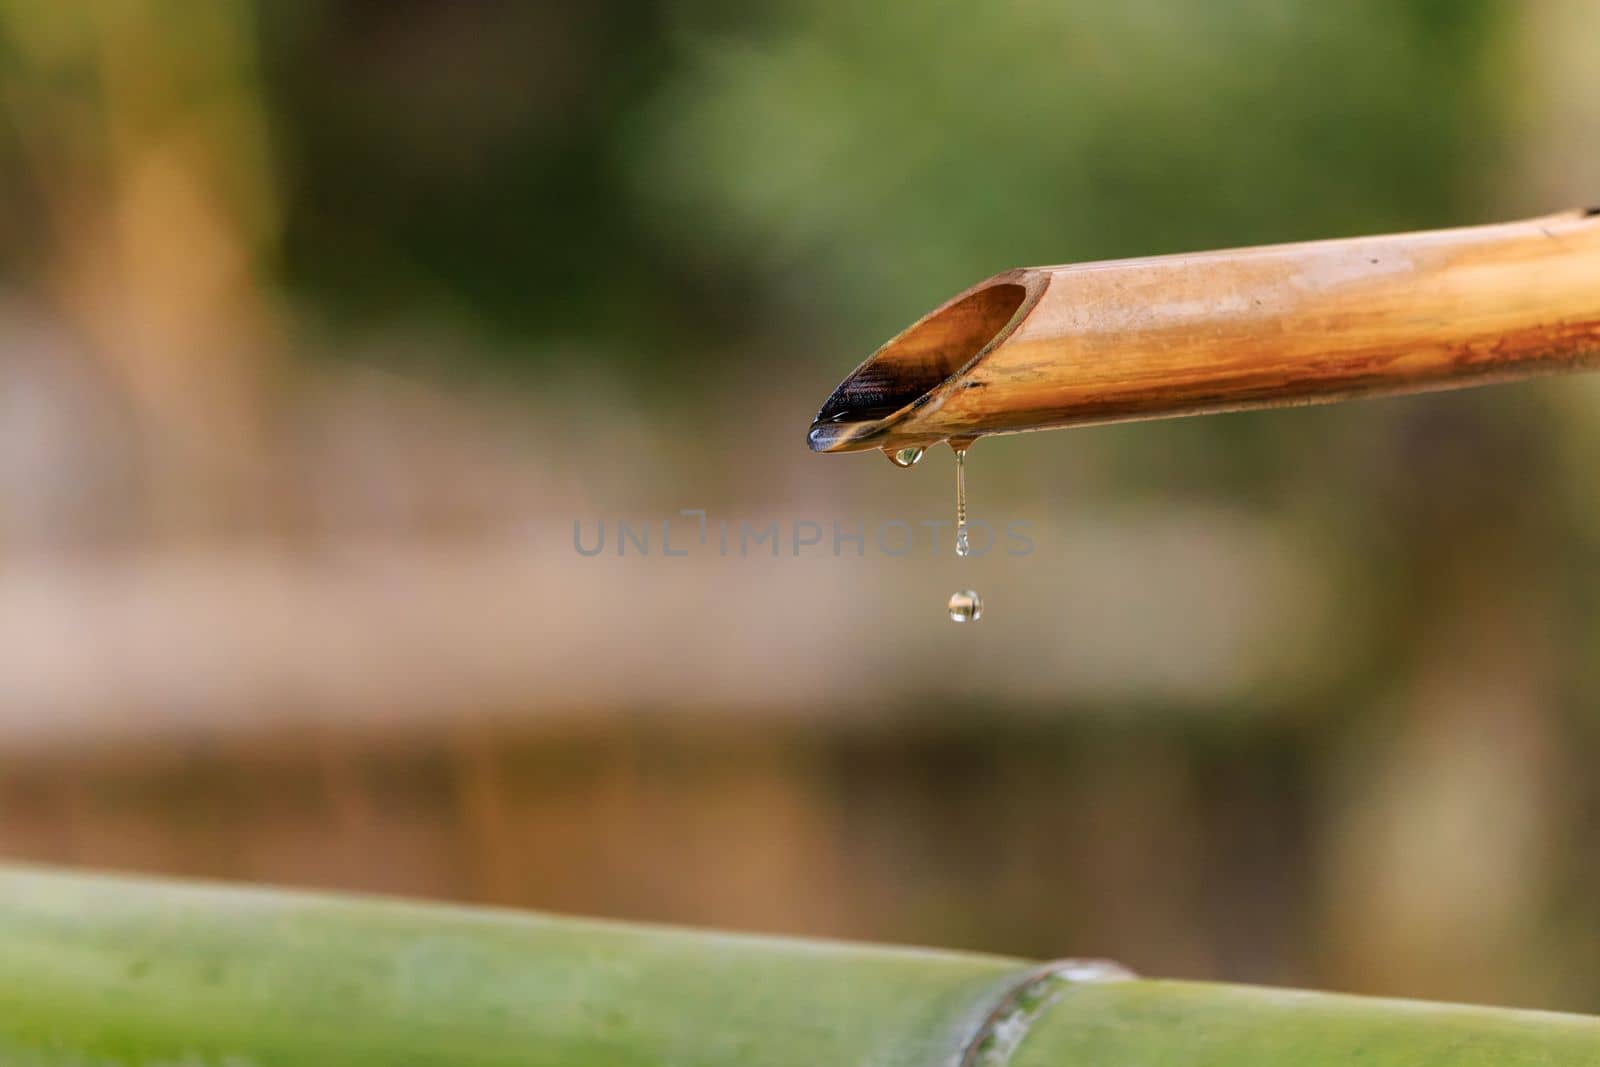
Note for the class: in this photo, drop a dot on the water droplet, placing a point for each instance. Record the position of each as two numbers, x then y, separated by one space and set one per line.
903 457
963 544
965 606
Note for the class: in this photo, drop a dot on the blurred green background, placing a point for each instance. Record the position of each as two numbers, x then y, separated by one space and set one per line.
322 323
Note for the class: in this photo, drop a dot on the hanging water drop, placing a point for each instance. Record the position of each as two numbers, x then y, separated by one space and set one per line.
963 543
903 457
965 606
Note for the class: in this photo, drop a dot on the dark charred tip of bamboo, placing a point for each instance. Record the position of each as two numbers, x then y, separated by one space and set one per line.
830 436
1590 212
905 372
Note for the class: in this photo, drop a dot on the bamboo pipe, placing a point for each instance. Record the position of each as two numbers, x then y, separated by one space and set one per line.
122 972
1189 334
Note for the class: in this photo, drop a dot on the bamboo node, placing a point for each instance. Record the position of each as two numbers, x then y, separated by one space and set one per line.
1005 1027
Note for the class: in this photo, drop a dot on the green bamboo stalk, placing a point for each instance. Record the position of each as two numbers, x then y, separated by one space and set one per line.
98 971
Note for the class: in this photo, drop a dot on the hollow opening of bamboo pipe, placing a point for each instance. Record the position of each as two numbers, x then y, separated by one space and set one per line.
911 367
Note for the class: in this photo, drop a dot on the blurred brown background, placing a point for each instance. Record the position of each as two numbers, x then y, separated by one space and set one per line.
321 323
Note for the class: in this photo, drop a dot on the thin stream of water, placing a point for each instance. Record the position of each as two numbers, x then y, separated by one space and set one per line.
963 542
964 605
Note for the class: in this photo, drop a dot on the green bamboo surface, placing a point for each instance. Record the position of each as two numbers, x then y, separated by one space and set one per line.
116 971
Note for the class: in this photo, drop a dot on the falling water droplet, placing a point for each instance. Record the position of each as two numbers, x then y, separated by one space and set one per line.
965 606
903 457
963 543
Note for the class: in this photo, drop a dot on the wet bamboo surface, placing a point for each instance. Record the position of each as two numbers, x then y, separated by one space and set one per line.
1047 347
122 971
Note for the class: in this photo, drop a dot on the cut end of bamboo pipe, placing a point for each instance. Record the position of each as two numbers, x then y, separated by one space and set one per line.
907 374
1199 333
